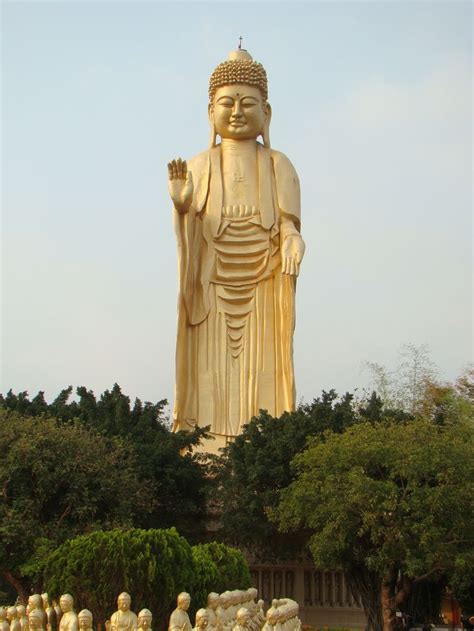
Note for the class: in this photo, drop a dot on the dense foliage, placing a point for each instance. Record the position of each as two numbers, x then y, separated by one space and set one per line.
57 481
393 498
162 458
218 568
256 466
152 565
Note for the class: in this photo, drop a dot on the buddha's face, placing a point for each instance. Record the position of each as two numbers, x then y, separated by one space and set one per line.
243 618
238 112
84 622
35 602
124 603
184 603
65 604
144 622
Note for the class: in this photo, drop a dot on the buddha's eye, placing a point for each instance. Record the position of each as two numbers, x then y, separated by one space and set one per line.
226 102
247 103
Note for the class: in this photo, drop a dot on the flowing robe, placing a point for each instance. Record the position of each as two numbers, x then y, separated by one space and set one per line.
236 319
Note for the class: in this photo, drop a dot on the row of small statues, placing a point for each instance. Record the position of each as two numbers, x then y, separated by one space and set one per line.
40 615
237 610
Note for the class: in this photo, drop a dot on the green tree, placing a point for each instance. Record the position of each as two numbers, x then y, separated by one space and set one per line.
257 465
152 565
218 568
57 481
391 500
179 476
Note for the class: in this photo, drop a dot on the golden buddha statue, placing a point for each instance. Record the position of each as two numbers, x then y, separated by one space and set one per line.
35 601
35 620
237 222
21 610
85 620
68 620
124 619
202 620
242 619
179 619
145 618
13 618
4 626
213 602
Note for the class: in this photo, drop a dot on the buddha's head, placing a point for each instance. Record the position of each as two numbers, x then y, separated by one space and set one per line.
21 609
45 599
84 619
252 593
213 600
184 600
238 106
202 619
144 619
272 616
66 602
124 601
243 616
12 613
35 602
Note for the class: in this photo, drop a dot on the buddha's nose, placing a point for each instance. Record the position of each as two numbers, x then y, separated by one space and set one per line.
237 109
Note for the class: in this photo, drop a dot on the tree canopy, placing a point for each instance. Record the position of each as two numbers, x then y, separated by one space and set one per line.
57 481
257 465
166 460
389 497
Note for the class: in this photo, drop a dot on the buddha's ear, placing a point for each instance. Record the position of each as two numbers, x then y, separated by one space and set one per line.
266 125
213 136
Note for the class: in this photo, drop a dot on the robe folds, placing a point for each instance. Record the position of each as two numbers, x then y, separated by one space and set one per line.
236 310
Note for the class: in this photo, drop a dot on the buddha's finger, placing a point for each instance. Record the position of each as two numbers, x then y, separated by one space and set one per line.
185 169
170 171
179 167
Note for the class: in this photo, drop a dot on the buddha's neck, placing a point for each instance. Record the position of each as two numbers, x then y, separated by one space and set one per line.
229 145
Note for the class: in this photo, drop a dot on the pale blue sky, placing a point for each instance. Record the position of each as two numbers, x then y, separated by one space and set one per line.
371 102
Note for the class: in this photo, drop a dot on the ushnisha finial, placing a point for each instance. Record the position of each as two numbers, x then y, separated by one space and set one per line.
240 42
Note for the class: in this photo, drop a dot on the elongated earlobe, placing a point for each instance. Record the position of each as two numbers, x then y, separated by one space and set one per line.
213 135
266 126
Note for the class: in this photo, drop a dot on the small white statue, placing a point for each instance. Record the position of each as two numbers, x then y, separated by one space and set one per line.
85 620
35 620
36 602
124 619
68 620
4 626
202 620
213 602
179 619
21 610
12 617
144 620
243 619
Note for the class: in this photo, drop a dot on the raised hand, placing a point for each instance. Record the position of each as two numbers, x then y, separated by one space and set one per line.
180 184
292 253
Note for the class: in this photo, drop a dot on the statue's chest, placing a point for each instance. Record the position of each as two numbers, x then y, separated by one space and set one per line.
240 178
